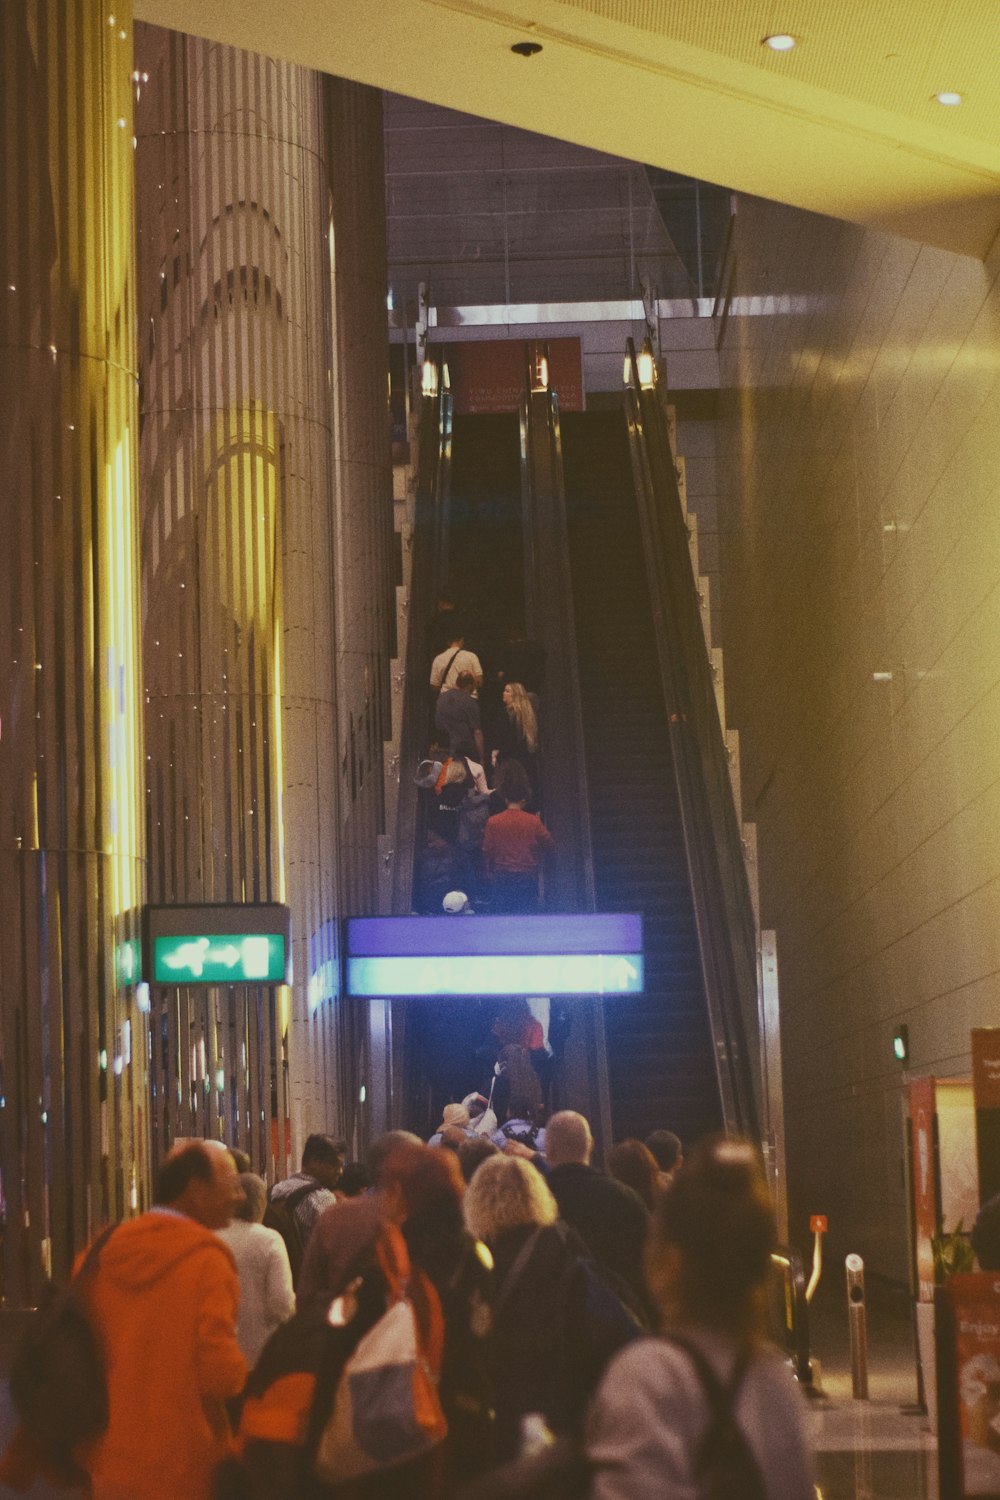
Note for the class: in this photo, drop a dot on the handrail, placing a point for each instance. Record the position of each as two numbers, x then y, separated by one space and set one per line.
429 543
549 617
787 1263
548 593
724 915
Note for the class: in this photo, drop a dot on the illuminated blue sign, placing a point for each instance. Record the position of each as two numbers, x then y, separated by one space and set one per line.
590 954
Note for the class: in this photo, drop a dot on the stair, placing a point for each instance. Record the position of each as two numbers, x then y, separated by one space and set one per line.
660 1059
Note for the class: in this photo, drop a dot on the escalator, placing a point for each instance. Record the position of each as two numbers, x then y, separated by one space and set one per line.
576 526
479 561
661 1062
485 563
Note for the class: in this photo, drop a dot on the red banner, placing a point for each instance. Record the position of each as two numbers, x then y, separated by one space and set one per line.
488 375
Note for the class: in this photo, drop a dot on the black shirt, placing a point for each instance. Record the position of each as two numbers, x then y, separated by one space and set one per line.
457 716
609 1217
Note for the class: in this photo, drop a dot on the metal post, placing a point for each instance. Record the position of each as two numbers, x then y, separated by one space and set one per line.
855 1267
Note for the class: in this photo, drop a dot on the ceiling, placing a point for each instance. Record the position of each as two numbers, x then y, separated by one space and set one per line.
845 124
489 214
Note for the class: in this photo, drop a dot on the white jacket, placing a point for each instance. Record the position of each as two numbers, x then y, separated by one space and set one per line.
267 1298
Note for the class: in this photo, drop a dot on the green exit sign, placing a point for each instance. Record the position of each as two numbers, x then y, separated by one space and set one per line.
224 958
217 943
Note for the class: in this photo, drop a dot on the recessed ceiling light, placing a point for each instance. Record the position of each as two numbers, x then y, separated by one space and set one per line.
948 97
781 41
526 49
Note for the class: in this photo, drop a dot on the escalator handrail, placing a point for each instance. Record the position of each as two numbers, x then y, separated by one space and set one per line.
429 543
724 913
547 569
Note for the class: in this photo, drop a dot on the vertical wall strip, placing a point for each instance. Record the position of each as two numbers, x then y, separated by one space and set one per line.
73 1047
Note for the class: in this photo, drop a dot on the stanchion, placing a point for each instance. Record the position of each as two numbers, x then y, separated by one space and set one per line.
855 1267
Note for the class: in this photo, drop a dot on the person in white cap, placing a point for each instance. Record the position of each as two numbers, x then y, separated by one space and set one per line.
456 904
455 1121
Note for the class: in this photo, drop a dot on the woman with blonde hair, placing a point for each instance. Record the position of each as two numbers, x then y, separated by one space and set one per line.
672 1410
548 1352
516 732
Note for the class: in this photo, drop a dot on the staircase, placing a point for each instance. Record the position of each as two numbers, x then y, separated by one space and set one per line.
661 1065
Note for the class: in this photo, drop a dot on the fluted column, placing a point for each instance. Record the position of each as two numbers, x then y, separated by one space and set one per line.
238 547
73 1044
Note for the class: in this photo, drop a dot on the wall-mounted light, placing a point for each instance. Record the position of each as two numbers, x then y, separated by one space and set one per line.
445 377
901 1044
540 374
429 378
647 370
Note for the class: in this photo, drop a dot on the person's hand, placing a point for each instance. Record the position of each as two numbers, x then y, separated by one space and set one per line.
518 1148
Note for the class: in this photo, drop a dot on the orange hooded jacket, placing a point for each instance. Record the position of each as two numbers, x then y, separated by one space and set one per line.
164 1301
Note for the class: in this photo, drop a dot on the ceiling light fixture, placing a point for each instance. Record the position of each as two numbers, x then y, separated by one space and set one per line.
526 49
947 96
780 41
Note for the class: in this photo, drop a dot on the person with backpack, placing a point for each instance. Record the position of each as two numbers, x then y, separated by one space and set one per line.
294 1205
345 1229
160 1293
707 1411
609 1217
381 1391
554 1324
457 718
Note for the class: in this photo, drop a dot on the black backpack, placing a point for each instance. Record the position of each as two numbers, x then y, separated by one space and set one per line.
57 1381
280 1215
725 1467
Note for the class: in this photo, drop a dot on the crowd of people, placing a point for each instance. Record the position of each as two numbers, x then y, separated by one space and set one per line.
487 841
486 1314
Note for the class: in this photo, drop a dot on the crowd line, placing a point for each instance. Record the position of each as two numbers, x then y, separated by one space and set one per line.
488 843
486 1314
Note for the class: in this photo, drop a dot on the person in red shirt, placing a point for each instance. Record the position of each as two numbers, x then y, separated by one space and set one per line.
515 845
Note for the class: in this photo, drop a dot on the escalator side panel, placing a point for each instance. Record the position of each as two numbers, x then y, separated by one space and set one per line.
662 1070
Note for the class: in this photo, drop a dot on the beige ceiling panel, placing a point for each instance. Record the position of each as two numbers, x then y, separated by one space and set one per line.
895 54
702 100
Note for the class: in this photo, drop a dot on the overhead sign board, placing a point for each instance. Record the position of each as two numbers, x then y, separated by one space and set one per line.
597 953
219 944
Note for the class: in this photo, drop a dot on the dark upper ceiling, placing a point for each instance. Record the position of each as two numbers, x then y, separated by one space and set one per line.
489 214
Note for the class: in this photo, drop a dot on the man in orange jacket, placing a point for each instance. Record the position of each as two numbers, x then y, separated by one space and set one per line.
163 1299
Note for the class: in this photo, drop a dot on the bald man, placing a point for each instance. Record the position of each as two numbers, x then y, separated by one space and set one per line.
164 1298
610 1218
